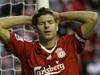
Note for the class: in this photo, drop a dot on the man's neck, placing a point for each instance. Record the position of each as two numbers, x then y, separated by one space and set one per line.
49 44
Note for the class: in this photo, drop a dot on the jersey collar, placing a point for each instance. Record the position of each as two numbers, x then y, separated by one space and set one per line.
48 51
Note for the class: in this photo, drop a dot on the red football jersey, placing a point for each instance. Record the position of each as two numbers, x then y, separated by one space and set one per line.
36 60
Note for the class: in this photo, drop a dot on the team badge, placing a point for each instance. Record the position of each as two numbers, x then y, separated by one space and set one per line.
60 53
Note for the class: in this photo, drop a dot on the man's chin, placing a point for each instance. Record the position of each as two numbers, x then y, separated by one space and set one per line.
48 37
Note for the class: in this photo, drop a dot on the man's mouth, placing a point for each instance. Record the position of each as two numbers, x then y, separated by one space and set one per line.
47 32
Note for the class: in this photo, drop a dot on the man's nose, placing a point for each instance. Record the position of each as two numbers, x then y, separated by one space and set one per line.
46 25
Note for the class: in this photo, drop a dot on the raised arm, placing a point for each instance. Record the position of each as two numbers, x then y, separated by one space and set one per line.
87 18
8 22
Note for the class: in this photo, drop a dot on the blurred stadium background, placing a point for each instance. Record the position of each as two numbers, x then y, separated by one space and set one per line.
89 59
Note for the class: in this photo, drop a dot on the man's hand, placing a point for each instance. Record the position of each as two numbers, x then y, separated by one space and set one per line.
57 15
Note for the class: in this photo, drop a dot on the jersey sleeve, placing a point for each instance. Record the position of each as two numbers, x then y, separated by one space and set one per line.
15 45
79 36
80 40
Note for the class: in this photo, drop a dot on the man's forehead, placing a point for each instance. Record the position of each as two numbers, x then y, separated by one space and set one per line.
46 17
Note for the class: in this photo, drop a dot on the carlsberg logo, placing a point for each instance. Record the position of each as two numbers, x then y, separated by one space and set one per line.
49 70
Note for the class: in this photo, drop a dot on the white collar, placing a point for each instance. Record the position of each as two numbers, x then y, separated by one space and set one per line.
49 51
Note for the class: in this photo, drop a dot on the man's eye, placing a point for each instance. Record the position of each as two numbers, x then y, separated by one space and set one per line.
50 22
41 23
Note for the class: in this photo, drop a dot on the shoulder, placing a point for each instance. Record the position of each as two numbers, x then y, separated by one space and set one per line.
75 37
66 37
66 40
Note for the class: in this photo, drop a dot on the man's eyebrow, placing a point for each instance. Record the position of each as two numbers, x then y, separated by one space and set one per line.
41 22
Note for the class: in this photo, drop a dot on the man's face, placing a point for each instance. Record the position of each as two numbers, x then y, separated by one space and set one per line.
47 27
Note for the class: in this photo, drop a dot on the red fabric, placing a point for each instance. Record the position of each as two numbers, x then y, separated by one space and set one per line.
33 57
78 5
81 36
74 5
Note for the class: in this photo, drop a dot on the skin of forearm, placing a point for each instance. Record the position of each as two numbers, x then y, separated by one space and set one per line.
81 16
8 22
87 18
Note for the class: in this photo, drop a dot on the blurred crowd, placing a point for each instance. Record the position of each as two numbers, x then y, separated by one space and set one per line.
89 59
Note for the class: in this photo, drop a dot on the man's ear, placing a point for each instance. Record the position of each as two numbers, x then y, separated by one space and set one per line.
57 28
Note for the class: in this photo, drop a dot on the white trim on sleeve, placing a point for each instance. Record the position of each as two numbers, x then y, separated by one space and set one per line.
79 38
